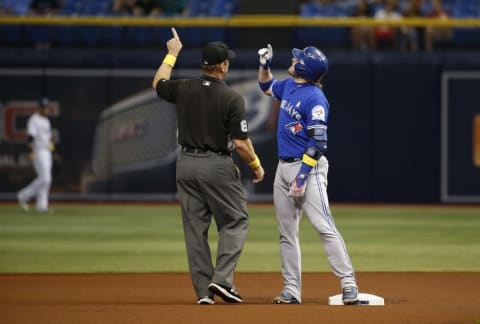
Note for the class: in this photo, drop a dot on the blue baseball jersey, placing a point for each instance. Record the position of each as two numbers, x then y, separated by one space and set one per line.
303 107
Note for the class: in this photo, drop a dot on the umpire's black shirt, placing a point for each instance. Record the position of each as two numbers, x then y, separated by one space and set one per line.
208 112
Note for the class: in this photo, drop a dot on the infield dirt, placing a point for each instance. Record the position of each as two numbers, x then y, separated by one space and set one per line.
169 298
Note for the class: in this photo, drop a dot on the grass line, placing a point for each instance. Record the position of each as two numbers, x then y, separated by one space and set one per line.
136 238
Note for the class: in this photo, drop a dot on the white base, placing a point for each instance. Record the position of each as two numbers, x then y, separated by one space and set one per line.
363 299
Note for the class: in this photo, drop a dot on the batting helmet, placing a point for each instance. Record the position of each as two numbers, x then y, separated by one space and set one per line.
312 63
43 102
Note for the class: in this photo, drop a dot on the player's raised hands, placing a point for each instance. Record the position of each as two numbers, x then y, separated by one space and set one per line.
174 45
265 56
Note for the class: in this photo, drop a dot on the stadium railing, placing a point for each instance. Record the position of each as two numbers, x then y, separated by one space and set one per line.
110 30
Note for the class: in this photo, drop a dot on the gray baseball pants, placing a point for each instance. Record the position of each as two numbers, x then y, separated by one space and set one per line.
316 207
209 184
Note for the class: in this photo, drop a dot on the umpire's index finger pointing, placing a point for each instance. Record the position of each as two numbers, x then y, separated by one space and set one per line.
175 35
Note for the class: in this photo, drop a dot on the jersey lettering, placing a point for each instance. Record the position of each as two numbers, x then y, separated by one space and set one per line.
288 108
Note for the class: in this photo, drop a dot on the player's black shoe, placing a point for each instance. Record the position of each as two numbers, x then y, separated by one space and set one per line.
228 294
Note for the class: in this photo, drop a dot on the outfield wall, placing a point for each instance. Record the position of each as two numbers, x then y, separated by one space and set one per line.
402 125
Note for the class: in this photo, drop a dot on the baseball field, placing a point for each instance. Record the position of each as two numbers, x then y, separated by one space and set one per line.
126 263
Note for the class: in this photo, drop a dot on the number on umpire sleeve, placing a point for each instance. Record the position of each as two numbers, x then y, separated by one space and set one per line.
243 126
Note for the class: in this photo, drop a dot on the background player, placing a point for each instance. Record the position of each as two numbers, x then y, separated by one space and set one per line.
301 177
40 143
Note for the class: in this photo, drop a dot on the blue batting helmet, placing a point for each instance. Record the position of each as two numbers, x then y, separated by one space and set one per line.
312 63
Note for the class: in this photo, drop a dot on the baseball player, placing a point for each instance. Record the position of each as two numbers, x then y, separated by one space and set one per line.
301 177
40 143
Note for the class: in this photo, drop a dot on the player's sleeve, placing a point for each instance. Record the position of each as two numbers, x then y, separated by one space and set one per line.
168 89
278 88
32 127
316 126
238 121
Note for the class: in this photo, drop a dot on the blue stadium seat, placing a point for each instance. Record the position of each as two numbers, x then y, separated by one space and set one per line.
72 7
309 10
199 8
68 35
86 35
465 37
448 5
465 9
16 7
222 8
97 7
324 36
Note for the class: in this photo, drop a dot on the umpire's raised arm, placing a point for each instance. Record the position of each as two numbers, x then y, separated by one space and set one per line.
174 46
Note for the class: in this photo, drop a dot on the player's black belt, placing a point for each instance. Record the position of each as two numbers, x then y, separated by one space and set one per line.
290 159
196 150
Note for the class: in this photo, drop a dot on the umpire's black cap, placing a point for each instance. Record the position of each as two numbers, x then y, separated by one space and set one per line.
43 102
215 53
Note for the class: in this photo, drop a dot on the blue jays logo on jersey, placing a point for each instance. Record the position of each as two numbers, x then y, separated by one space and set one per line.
294 127
318 113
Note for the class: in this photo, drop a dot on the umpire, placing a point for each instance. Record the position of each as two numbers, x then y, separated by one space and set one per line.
211 123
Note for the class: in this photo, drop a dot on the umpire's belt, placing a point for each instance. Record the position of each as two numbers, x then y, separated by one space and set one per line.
196 150
290 159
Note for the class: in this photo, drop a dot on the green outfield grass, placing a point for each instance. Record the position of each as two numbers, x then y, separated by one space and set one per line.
136 238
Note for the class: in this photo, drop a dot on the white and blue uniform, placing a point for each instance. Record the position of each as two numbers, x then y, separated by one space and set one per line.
39 128
304 107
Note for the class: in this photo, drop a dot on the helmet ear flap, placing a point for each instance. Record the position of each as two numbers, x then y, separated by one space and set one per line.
299 69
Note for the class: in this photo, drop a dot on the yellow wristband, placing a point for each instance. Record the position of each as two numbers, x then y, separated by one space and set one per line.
169 60
255 164
309 160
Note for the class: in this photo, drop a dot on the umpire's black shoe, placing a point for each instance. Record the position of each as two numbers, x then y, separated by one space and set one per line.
229 295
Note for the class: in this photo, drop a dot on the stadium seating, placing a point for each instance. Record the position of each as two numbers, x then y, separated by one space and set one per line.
207 8
336 37
198 8
327 36
72 7
97 8
222 8
466 37
16 7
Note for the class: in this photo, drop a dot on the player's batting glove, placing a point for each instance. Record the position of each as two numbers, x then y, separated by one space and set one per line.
297 188
266 55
